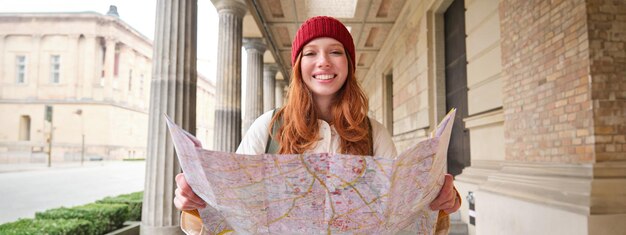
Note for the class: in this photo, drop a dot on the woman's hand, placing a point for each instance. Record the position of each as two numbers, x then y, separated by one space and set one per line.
186 199
447 199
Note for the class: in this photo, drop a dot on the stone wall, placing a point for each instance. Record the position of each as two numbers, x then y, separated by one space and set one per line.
405 56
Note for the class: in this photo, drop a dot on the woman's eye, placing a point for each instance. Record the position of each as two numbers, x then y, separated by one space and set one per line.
308 53
337 52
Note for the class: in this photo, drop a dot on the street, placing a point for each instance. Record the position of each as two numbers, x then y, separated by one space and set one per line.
25 190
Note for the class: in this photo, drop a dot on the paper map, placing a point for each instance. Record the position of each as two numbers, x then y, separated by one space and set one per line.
316 193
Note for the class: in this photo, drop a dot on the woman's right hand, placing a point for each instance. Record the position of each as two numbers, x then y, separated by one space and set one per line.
185 199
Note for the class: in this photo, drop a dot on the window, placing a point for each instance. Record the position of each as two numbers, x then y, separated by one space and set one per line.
24 128
20 70
55 68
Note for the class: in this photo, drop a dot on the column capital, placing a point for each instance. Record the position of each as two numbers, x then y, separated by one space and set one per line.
73 35
254 44
236 7
110 39
89 35
271 67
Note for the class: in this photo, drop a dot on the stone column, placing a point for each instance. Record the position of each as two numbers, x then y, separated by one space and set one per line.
73 76
89 73
109 66
173 92
254 81
280 92
269 86
36 74
121 94
227 132
2 43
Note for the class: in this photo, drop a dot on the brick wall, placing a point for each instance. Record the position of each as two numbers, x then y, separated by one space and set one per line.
607 51
564 80
547 96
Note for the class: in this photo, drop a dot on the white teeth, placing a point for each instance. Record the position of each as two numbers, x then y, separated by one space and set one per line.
324 76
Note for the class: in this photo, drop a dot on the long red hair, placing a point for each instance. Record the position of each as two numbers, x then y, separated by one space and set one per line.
300 130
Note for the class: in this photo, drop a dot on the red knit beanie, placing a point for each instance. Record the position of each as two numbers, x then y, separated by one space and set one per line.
322 26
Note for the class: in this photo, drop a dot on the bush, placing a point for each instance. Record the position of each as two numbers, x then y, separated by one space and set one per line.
45 226
103 217
133 200
133 159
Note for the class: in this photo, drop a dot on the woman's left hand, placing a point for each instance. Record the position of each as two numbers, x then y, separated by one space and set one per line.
447 199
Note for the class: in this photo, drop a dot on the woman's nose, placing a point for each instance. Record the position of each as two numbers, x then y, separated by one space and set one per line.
323 62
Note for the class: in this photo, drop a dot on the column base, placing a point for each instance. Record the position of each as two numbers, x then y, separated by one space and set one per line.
469 181
545 198
499 214
163 230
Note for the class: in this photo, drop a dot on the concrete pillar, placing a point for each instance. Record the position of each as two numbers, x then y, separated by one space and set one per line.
173 92
254 81
269 86
227 132
280 92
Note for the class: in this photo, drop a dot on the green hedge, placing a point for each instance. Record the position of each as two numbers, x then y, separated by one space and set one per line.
103 217
45 226
133 200
133 159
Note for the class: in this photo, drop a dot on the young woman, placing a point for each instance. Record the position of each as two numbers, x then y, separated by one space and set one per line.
326 110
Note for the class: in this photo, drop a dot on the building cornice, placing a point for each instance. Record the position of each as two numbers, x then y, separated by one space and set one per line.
69 17
71 102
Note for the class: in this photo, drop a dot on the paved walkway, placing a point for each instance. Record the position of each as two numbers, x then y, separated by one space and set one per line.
29 188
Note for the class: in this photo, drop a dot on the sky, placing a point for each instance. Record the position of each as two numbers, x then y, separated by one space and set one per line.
139 14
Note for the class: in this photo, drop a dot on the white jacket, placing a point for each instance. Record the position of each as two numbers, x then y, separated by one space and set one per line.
255 140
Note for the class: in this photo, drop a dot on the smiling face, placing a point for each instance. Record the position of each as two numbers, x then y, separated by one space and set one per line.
324 67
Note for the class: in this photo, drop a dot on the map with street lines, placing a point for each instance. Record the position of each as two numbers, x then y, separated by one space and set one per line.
316 193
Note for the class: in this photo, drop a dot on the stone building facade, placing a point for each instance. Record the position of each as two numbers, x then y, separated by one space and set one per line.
95 73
